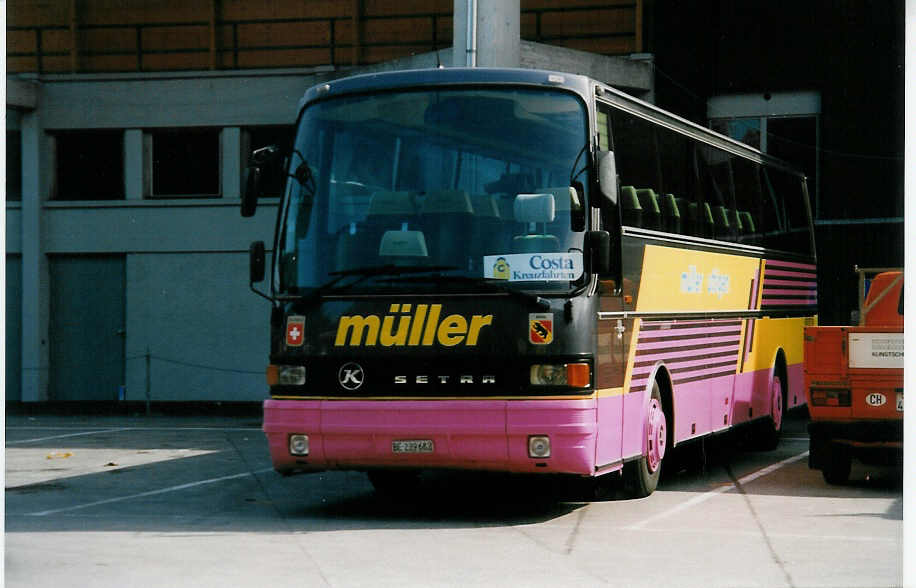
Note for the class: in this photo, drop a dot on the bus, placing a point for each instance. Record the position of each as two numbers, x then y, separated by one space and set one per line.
523 271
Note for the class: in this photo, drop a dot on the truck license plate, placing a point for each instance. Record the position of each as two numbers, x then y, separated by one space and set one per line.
412 446
899 401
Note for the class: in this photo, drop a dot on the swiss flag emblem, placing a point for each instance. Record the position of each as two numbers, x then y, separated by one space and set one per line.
295 331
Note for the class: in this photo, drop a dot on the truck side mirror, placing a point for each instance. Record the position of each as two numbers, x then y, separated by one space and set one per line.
598 244
256 262
607 176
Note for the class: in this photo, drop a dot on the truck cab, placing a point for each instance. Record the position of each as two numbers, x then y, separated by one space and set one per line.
854 382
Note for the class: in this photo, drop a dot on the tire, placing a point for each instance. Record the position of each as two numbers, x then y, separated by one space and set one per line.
837 466
771 428
642 475
394 483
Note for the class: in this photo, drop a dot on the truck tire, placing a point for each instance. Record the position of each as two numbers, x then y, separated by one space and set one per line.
837 465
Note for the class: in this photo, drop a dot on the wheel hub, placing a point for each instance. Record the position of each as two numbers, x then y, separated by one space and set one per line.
657 435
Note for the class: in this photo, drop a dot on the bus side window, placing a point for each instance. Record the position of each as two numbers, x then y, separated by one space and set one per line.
636 151
772 222
718 187
748 200
678 175
787 193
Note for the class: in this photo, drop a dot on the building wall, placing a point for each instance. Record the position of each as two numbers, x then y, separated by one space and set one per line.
64 36
192 330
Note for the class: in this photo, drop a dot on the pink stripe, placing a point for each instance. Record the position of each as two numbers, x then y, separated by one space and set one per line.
789 274
694 374
807 266
693 368
688 332
811 284
673 356
704 364
752 303
789 302
673 345
639 384
769 291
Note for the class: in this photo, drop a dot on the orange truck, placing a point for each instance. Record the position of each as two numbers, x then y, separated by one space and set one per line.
854 382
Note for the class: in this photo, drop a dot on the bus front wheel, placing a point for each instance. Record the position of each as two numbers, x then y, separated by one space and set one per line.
394 483
643 474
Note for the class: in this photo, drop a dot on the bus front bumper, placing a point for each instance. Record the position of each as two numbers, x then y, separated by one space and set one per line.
454 434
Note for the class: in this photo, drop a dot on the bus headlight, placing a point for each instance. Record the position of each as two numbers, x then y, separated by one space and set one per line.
285 375
299 444
577 375
538 446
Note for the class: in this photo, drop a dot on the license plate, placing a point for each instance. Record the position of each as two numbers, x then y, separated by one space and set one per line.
413 446
899 401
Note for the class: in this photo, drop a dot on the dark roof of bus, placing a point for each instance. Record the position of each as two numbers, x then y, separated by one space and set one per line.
446 76
577 83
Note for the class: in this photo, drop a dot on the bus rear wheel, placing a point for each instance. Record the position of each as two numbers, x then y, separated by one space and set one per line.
642 475
771 428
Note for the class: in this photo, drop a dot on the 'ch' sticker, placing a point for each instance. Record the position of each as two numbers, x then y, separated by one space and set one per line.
540 328
295 331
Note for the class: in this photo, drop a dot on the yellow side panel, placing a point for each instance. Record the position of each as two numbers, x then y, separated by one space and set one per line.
683 280
772 334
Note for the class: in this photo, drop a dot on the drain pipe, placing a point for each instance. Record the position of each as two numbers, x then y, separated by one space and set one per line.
486 33
471 34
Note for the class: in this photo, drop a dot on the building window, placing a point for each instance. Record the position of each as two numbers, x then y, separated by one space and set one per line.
185 163
784 125
273 181
13 165
90 165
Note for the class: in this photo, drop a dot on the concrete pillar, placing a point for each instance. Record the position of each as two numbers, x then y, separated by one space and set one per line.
133 164
496 42
230 166
35 279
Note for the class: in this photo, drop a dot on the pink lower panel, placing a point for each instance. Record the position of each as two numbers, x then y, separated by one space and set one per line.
796 373
466 434
751 396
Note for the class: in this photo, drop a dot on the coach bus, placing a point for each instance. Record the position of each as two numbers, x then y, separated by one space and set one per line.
523 271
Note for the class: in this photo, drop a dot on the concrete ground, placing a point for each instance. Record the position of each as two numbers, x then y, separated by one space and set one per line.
193 501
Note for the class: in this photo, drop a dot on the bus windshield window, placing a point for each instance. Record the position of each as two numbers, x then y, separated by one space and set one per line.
474 184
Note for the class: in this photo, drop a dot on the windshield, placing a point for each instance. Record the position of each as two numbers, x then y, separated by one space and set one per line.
486 184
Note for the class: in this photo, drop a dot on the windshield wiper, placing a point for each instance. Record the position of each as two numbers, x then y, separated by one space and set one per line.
491 284
364 273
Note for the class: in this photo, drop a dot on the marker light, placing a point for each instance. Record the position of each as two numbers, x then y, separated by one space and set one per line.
299 444
538 446
285 375
830 397
577 375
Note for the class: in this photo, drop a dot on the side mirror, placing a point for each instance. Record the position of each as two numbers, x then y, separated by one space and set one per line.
252 191
576 210
261 159
598 244
256 262
607 176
